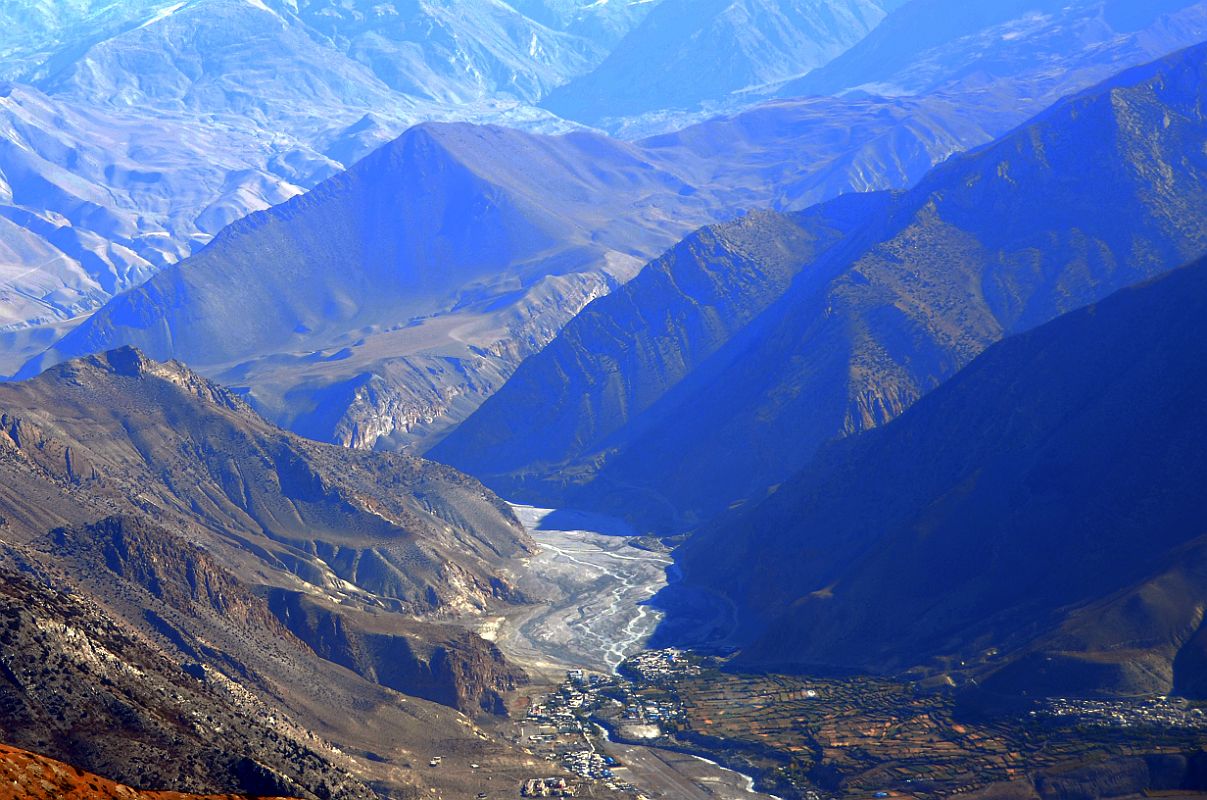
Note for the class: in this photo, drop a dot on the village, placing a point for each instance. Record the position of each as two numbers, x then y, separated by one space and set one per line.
569 726
1170 713
886 738
883 736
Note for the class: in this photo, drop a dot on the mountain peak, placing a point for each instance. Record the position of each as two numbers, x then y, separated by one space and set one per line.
101 371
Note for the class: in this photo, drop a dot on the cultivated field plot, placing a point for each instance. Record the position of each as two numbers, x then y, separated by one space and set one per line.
860 737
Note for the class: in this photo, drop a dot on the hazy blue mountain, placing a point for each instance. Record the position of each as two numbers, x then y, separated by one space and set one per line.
1000 54
35 28
132 132
1035 523
136 130
605 23
989 243
214 54
688 51
1002 46
472 246
101 200
99 206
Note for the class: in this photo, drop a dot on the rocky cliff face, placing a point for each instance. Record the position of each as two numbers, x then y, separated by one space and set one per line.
84 688
443 664
409 401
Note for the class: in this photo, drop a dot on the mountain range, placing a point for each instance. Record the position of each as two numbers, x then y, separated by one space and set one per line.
133 132
686 52
1055 485
667 416
108 180
882 317
464 262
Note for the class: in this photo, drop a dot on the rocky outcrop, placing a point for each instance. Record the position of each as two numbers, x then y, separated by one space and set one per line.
168 496
81 687
193 512
180 574
445 664
412 401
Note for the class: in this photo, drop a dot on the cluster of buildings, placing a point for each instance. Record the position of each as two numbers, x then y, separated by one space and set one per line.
562 712
655 666
652 712
546 787
589 764
561 725
1158 712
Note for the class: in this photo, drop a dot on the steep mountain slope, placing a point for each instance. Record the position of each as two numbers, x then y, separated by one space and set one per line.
620 356
212 631
36 777
94 201
72 672
394 530
436 255
136 130
990 243
1047 487
214 54
604 23
685 52
296 580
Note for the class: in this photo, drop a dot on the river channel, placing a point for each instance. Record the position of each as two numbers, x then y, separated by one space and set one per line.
591 580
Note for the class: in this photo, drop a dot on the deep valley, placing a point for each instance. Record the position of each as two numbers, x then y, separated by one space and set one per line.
634 399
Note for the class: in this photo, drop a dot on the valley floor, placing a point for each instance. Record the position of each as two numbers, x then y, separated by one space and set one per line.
598 696
591 581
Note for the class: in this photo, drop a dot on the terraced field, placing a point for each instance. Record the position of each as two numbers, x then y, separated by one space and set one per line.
864 737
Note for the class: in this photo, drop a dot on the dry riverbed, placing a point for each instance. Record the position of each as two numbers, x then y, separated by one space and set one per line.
591 581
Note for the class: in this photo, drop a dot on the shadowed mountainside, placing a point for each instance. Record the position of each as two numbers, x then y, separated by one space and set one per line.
382 307
1102 190
1036 523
